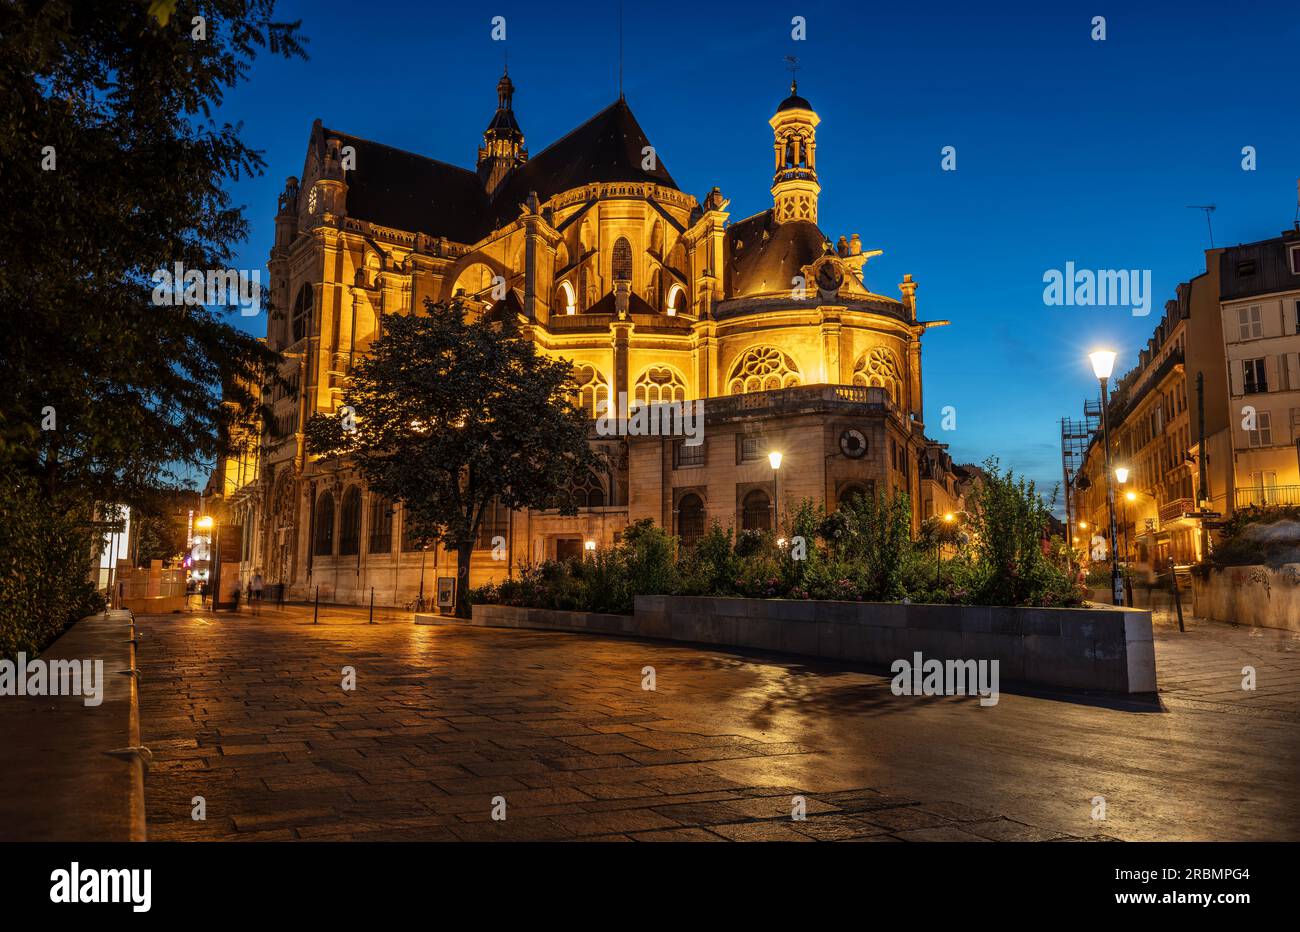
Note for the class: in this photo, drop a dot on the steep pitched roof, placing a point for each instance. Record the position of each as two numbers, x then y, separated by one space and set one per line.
607 148
410 192
399 189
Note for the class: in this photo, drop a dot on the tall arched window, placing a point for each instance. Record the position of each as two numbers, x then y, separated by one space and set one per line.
762 368
350 523
324 543
565 299
756 511
381 525
621 262
302 306
690 519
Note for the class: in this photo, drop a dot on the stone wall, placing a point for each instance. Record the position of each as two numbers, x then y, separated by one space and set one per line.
1108 649
1251 595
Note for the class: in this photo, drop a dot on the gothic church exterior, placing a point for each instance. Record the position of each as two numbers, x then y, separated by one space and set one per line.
648 291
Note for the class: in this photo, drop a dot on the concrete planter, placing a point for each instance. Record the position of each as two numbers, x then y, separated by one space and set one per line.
1107 648
1251 595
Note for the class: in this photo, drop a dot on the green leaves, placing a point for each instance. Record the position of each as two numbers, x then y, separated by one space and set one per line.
453 413
138 183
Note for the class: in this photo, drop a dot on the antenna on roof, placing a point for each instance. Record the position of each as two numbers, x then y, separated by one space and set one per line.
1209 209
505 58
620 50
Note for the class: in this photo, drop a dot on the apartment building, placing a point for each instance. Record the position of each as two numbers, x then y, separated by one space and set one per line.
1260 305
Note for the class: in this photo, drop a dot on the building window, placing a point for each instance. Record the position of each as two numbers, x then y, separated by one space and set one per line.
1246 268
568 548
588 491
622 261
676 300
1295 260
381 525
879 369
324 544
566 299
496 524
852 493
1254 375
1250 322
302 306
690 519
756 511
657 385
751 448
762 368
410 542
688 457
350 523
592 397
1262 435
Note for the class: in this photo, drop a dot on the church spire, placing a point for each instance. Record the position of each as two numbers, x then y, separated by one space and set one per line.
794 186
503 141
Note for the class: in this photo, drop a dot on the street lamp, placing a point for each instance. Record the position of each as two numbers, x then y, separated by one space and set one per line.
775 459
948 518
208 523
1103 363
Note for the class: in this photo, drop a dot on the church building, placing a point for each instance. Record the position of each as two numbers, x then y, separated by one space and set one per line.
652 294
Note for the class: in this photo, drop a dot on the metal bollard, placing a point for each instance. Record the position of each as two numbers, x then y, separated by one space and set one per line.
372 605
315 612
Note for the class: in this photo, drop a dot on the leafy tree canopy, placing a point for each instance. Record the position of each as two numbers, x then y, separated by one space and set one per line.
445 414
112 167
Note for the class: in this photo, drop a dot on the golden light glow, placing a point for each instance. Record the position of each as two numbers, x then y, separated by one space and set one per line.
1083 525
1131 496
775 459
949 517
590 545
1103 363
1121 473
204 523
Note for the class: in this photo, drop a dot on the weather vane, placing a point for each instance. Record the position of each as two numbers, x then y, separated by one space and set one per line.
792 65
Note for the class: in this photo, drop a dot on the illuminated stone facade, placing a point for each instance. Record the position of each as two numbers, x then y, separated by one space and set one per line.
648 291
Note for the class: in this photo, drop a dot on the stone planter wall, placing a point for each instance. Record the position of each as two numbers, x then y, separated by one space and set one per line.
1106 648
1251 595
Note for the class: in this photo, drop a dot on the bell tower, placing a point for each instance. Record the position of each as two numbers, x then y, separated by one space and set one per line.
794 186
503 141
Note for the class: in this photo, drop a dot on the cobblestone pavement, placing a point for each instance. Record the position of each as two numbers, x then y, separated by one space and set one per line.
250 714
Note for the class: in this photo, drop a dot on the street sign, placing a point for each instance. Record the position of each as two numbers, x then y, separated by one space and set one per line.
1202 514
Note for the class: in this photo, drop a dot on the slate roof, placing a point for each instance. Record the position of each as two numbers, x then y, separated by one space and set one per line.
410 192
607 148
764 256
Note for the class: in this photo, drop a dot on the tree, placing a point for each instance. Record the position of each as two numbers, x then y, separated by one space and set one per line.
113 169
449 414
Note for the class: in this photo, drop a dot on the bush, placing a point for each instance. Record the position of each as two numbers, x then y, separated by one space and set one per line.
45 561
1014 561
862 552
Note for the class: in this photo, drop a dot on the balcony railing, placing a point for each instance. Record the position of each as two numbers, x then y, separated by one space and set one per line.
1173 510
1268 495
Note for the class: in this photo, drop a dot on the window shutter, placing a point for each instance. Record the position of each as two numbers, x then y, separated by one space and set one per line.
1293 371
1234 376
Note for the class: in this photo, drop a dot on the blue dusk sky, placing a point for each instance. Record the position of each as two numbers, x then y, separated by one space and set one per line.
1068 149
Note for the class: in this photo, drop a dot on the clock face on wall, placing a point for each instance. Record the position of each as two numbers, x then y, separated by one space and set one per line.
829 277
852 443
